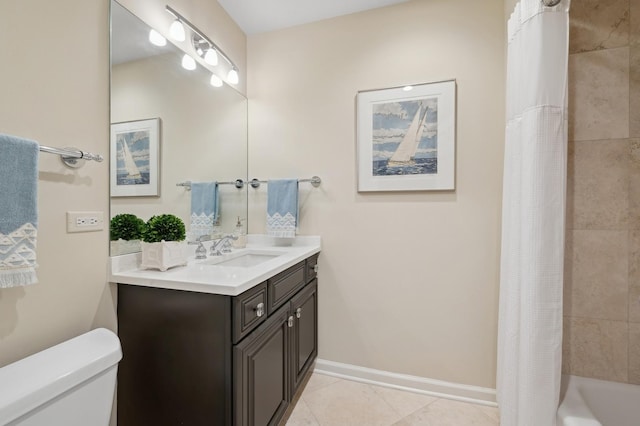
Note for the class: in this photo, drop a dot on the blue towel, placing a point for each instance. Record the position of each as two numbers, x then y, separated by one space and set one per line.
18 210
204 208
282 208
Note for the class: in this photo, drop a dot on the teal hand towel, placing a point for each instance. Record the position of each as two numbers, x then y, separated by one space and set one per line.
18 210
282 208
204 208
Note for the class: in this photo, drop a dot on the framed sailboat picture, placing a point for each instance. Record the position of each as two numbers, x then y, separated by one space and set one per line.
406 138
135 155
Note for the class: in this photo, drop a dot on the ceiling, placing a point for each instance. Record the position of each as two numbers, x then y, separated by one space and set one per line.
258 16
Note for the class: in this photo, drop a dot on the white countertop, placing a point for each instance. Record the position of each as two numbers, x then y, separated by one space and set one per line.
217 279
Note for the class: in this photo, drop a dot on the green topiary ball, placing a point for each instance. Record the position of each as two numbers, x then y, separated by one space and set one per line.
164 227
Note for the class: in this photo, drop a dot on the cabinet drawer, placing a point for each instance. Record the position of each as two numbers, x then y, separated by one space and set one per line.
311 268
284 285
249 310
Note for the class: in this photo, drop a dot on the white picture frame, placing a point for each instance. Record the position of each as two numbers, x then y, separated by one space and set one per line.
406 138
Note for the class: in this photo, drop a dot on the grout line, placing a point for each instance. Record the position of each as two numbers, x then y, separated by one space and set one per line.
423 407
315 418
374 389
322 386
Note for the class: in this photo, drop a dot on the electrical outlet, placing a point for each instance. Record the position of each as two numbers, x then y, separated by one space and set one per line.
85 221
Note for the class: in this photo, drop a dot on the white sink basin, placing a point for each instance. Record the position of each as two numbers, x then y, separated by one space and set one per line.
242 260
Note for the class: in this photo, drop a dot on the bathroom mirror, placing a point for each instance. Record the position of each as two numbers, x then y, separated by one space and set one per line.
202 129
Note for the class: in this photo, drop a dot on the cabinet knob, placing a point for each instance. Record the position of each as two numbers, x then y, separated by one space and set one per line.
315 268
290 321
259 309
298 312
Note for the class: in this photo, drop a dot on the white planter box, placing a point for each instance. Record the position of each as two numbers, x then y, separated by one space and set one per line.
121 247
163 255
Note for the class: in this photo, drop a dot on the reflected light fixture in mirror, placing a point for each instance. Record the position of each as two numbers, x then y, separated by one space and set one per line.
156 38
215 81
188 63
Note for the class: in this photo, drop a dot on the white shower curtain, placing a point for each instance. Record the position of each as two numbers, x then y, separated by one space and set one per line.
533 215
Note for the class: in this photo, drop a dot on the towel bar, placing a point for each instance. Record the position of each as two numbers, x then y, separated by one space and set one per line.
315 182
71 156
239 183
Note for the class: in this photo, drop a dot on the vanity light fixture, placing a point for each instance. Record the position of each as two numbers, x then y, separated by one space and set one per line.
211 57
156 38
232 77
177 30
203 47
188 63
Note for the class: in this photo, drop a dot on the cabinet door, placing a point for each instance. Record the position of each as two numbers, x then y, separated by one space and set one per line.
261 378
304 339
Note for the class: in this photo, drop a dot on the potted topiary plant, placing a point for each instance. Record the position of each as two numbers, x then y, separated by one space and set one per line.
163 244
125 232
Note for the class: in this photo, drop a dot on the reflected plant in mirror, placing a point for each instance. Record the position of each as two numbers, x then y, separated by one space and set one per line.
203 135
125 233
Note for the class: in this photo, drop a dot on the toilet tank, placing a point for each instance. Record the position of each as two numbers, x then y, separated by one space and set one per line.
70 384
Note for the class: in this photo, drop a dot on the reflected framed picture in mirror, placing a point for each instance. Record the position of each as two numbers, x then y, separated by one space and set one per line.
135 158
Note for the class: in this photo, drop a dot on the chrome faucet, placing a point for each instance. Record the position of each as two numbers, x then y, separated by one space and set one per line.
224 243
201 251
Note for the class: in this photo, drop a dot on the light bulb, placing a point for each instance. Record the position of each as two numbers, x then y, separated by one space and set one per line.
211 57
215 81
407 88
232 77
177 30
188 63
156 38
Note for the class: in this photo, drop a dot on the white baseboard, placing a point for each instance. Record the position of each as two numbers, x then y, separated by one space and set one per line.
432 387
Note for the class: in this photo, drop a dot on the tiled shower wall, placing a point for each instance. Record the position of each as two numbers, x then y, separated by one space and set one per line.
602 263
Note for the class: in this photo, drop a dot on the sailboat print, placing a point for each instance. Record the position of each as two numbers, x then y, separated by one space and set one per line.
130 166
406 151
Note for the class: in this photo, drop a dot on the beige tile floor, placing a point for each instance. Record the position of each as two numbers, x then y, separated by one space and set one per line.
330 401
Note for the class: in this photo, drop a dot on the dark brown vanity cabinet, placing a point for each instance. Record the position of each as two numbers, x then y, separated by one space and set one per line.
205 359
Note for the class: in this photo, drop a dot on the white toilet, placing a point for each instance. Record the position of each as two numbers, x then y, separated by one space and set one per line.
70 384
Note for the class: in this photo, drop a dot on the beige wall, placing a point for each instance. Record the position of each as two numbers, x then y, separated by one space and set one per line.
508 7
55 89
602 274
408 281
